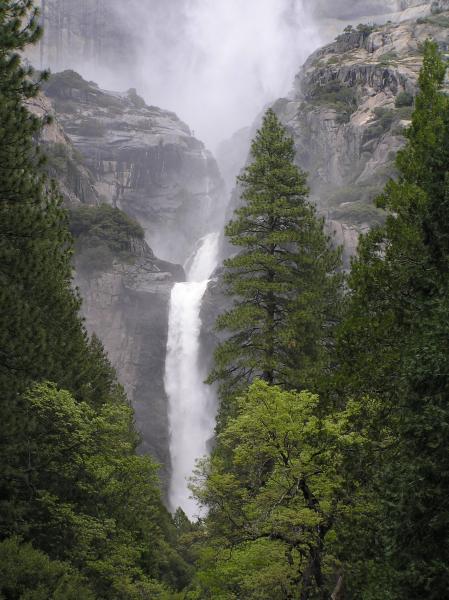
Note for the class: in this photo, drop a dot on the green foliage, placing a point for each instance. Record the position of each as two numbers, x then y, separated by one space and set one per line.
387 120
28 574
384 118
336 95
356 36
360 213
388 58
274 502
81 493
404 99
40 331
393 346
59 84
366 28
436 19
69 86
101 234
71 483
283 279
65 164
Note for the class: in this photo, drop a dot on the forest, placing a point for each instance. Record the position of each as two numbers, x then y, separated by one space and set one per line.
329 474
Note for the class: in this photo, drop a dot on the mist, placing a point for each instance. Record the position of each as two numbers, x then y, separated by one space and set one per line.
216 64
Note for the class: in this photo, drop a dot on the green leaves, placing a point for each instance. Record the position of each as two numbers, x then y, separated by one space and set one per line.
27 574
278 484
81 493
71 482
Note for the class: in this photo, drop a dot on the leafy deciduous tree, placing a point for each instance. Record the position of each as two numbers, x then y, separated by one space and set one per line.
275 504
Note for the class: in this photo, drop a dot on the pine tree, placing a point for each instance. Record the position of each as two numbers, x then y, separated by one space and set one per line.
71 483
394 346
40 331
283 278
41 336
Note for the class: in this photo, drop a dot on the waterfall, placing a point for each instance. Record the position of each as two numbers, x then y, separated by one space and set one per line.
190 401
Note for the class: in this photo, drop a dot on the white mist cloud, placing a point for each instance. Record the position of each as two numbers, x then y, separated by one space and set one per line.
217 62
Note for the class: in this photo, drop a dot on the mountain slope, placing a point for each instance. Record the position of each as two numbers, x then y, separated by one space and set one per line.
132 176
350 104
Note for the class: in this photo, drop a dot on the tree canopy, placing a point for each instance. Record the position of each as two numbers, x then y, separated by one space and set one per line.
284 277
78 507
393 345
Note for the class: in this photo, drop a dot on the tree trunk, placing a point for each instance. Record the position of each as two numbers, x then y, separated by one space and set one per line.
337 594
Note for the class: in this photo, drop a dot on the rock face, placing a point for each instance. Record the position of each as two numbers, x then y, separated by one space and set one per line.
127 308
110 148
76 182
333 16
347 113
144 160
348 110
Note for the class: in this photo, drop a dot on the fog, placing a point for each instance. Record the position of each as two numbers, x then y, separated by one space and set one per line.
216 63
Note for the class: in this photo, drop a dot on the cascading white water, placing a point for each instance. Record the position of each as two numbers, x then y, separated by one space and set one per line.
191 405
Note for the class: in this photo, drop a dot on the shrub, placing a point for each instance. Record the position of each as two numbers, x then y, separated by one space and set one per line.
436 19
28 573
101 234
61 85
359 213
384 117
357 35
404 99
336 95
405 113
387 58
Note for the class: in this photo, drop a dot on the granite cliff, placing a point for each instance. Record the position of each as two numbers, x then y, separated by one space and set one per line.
347 112
143 160
135 180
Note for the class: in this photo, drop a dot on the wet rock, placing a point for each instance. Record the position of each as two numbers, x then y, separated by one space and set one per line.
127 307
143 159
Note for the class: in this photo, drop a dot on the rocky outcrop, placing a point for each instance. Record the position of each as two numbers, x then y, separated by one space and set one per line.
334 16
108 148
144 160
127 306
348 110
64 163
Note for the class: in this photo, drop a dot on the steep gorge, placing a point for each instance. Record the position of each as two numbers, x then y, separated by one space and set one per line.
110 149
347 112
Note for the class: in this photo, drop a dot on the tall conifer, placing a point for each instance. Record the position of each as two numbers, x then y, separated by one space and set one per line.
283 278
40 332
394 346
